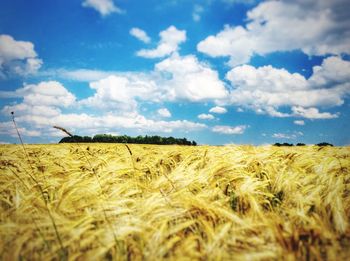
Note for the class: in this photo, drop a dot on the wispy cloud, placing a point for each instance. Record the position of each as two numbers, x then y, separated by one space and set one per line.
140 34
204 116
164 112
299 122
223 129
197 12
218 109
287 136
104 7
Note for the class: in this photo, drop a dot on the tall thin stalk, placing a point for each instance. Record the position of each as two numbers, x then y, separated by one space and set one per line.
131 157
42 192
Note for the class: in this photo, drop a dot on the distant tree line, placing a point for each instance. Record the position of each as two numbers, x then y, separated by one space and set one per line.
108 138
285 144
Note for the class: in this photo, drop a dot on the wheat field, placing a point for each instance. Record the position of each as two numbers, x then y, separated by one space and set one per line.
148 202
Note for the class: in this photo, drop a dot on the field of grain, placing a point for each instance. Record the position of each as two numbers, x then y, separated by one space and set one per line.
144 202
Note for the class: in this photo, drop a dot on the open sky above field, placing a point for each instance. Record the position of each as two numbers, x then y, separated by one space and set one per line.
214 71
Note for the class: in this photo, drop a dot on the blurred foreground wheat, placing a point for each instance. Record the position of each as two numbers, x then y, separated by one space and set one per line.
178 203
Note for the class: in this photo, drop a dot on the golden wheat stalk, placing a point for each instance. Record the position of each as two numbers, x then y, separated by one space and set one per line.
64 130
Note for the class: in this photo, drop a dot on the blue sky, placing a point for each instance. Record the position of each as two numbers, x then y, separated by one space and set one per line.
216 71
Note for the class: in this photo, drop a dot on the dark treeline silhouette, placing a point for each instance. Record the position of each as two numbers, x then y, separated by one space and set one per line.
322 144
282 144
107 138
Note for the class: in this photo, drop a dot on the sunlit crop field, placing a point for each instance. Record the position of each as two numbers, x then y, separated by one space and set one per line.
105 201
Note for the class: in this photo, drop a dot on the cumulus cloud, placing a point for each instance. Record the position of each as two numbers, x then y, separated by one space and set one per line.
170 39
17 57
229 129
173 79
104 7
120 92
299 122
314 27
44 105
40 103
164 112
204 116
332 71
187 78
266 89
218 109
49 93
140 34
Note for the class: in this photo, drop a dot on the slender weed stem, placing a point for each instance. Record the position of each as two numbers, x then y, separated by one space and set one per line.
42 192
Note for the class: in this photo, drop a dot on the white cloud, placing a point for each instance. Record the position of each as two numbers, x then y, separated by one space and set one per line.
120 92
140 34
312 113
169 43
197 12
164 112
287 136
7 128
332 71
83 75
85 124
229 129
299 122
315 27
175 78
187 78
43 94
218 109
283 136
17 57
204 116
266 89
104 7
25 109
42 103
